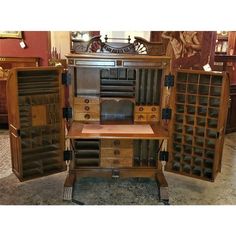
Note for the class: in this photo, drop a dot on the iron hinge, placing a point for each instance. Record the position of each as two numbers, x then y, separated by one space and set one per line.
164 156
67 112
67 155
66 78
169 80
166 113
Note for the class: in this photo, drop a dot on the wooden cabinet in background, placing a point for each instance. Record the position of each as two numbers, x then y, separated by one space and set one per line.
8 63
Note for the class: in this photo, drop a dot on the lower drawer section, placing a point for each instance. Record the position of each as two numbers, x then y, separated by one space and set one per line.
116 162
116 152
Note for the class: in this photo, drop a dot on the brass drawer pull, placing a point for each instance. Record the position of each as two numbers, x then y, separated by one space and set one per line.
153 117
86 108
86 100
87 116
140 108
116 152
154 109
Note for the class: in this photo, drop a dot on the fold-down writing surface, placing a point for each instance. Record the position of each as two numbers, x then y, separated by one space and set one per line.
118 129
133 131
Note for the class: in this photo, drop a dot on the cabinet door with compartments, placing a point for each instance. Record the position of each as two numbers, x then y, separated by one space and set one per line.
35 101
198 124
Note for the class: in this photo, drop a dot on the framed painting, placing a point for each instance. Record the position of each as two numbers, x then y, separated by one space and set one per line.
11 34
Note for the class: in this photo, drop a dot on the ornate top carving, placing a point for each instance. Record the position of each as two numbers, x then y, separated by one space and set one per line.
139 46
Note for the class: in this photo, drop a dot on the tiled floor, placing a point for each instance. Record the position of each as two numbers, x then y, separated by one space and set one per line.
183 190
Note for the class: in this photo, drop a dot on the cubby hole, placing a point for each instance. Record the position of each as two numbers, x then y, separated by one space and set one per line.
189 120
179 118
189 130
187 149
177 137
203 101
216 80
177 147
186 168
178 128
215 91
209 154
198 151
176 157
203 90
192 99
200 131
207 173
212 112
191 110
197 170
193 78
204 79
180 98
181 88
212 133
182 77
188 139
212 123
201 121
208 163
214 102
176 166
199 141
192 88
197 161
210 143
179 108
187 159
202 111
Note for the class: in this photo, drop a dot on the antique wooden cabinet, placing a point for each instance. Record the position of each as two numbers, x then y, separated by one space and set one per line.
127 116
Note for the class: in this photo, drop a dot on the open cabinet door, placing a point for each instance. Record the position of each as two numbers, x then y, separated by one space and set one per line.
36 124
198 124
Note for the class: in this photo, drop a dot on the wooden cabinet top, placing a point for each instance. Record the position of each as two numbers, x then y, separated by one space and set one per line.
10 62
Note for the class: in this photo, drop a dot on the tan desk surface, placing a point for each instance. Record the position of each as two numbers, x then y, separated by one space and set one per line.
131 131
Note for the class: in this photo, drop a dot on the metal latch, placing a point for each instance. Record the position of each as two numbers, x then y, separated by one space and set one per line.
115 173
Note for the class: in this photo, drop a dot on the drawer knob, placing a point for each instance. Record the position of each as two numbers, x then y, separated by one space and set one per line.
154 109
140 117
86 100
153 117
116 152
117 142
140 108
87 116
86 108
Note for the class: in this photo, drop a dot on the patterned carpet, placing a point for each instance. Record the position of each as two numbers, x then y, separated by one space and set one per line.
183 190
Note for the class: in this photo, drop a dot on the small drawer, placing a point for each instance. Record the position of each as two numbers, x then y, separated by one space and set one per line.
113 143
147 109
116 162
140 117
86 100
93 108
116 152
86 116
